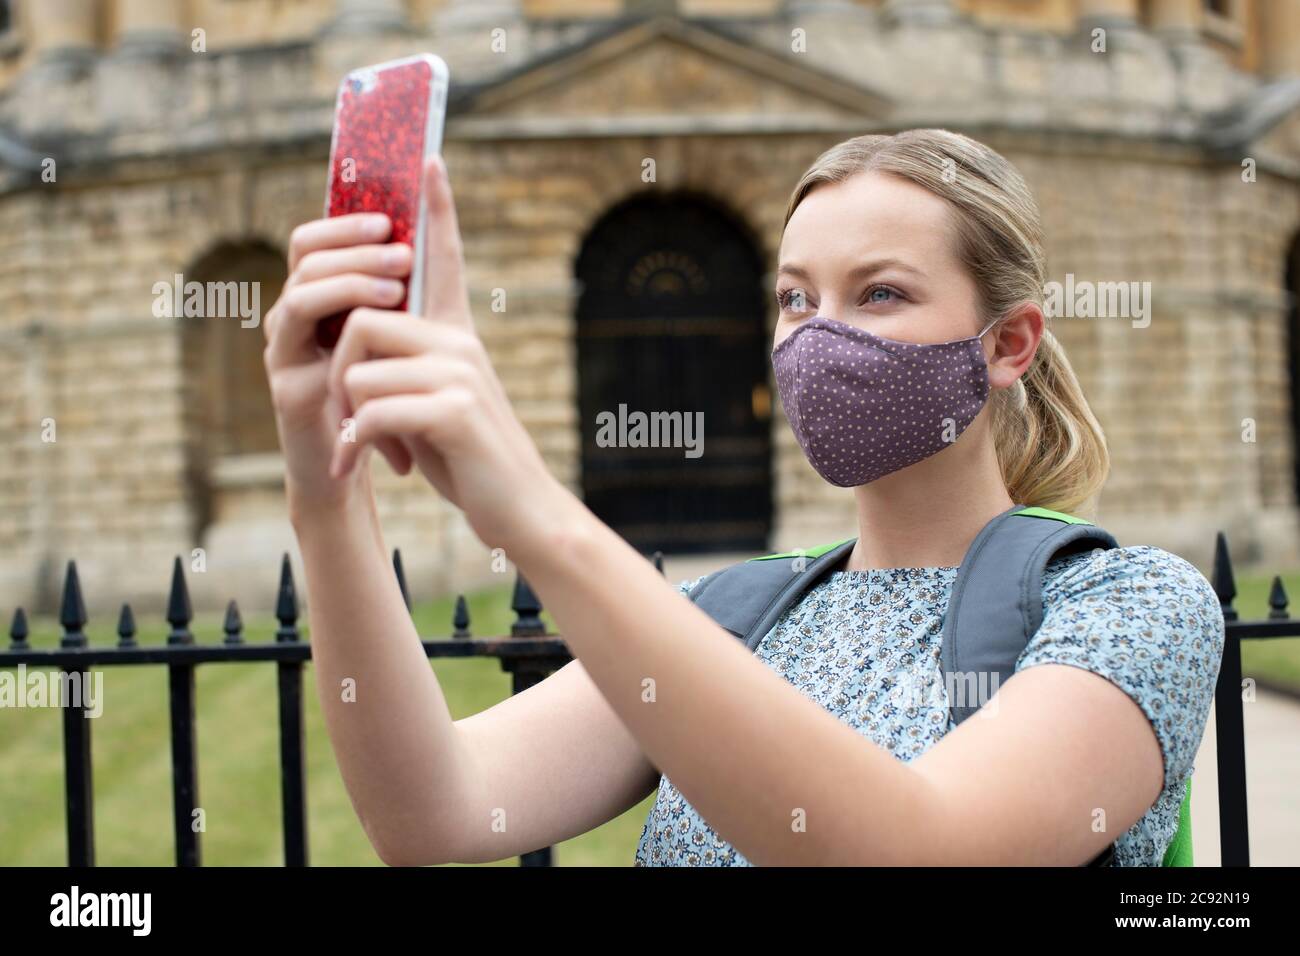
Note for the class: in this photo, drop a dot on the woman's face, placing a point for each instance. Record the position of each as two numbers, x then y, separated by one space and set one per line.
877 252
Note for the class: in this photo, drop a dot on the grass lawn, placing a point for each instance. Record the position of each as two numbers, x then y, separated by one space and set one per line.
238 751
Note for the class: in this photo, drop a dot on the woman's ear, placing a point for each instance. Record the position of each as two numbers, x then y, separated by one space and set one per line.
1014 343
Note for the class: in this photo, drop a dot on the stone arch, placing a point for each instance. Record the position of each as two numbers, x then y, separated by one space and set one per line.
672 319
228 415
1291 285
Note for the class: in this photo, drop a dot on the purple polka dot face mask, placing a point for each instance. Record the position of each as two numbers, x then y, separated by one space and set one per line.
863 406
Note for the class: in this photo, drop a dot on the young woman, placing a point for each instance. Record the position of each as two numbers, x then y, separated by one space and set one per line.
795 754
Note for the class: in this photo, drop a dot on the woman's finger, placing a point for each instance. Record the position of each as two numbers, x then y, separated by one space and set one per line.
291 323
391 259
354 229
427 372
372 333
432 416
446 296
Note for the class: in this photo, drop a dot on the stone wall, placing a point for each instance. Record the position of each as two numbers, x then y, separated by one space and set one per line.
164 159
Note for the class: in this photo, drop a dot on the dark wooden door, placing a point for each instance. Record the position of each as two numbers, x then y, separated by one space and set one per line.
671 320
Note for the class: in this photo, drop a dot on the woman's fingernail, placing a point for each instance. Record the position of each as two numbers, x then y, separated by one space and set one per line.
389 289
395 255
376 226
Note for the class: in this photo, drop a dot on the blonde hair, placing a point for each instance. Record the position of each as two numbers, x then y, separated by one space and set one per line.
1049 445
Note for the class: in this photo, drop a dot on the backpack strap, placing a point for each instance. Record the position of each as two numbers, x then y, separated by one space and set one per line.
747 599
996 603
1179 851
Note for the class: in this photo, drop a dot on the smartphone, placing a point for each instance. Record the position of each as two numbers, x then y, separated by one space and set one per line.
388 120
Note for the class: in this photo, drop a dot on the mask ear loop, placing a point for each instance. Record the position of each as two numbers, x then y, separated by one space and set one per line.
986 328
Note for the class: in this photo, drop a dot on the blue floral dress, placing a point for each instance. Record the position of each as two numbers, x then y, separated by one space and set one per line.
1143 618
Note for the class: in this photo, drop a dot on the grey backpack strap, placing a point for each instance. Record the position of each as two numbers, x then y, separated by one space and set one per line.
996 603
995 607
747 599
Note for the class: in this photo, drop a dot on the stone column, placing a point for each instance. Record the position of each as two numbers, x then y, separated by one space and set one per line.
61 29
368 16
57 88
1179 24
1111 14
459 15
143 74
1178 20
650 6
149 26
917 12
1279 22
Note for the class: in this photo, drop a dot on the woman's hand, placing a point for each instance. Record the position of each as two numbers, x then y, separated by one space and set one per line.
430 385
335 265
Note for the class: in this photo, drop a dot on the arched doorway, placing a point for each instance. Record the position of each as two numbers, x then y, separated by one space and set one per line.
1293 351
232 448
670 327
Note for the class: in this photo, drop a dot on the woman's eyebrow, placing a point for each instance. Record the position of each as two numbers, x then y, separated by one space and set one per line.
864 269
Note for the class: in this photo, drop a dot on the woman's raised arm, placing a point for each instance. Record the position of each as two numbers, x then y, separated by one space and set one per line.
542 766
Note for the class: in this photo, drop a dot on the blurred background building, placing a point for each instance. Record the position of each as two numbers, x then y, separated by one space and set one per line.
142 140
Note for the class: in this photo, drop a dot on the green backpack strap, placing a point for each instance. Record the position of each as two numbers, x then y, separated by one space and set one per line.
1179 851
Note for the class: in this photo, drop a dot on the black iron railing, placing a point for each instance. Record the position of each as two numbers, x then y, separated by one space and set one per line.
1229 699
528 654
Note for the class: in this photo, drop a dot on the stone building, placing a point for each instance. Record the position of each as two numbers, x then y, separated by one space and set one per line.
141 140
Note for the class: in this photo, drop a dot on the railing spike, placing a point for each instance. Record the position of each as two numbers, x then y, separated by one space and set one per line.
527 610
126 627
286 604
233 625
460 617
18 631
179 610
286 595
401 577
1225 586
1277 600
72 612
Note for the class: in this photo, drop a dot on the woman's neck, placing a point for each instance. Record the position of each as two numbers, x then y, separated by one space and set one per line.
928 514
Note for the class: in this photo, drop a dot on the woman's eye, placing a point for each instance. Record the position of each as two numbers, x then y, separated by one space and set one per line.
792 300
882 294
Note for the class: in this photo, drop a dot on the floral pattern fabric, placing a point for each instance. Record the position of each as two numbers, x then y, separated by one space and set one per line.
863 643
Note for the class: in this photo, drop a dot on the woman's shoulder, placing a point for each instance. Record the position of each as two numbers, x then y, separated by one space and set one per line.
1132 571
1149 622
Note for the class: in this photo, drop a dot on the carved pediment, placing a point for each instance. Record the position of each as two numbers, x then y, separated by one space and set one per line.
667 69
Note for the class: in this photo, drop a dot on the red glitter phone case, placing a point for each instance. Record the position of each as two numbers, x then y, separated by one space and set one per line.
387 121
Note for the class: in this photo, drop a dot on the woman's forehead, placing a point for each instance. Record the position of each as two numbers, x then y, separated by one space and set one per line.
870 215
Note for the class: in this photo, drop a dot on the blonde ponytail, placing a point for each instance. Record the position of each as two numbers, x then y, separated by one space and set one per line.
1050 447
